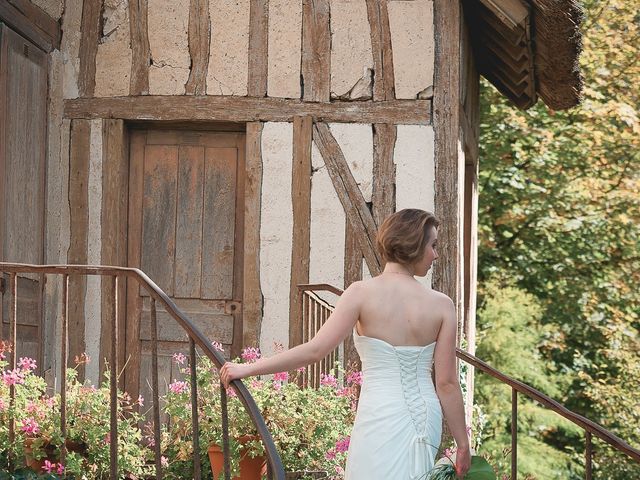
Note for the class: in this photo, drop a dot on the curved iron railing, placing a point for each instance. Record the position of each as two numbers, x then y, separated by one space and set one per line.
591 428
275 469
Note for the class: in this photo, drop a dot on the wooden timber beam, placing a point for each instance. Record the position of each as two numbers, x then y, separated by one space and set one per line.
358 214
247 109
32 23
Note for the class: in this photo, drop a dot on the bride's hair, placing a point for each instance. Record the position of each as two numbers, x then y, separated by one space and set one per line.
403 235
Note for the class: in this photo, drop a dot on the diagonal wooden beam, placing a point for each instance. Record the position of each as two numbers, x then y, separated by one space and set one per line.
355 207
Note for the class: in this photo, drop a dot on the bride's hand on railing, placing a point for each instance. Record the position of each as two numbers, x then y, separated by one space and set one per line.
233 371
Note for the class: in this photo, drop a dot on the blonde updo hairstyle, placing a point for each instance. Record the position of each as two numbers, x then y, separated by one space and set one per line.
403 235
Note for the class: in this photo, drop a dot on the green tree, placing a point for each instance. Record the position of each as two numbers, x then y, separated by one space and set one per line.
559 213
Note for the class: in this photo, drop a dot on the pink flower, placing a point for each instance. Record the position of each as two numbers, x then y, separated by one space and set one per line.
164 462
31 407
30 426
256 383
231 392
331 454
107 437
328 381
281 377
3 405
12 377
250 354
343 392
179 358
178 387
342 445
217 346
354 378
51 402
60 469
27 364
301 369
48 466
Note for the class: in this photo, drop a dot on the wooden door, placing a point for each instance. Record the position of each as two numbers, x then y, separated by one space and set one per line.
185 232
23 133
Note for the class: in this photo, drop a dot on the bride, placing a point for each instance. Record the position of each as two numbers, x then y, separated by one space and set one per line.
401 331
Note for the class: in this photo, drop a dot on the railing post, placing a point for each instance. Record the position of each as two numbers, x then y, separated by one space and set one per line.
113 377
13 319
63 366
156 395
588 456
225 433
197 474
514 434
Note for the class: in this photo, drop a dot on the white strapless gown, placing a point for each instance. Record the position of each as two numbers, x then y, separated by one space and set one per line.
398 424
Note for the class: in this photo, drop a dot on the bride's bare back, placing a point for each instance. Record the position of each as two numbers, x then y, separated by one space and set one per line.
401 311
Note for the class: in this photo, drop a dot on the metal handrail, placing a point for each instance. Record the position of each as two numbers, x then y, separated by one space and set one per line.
275 467
590 427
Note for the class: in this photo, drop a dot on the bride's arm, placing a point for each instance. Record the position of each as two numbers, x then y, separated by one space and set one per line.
339 324
448 384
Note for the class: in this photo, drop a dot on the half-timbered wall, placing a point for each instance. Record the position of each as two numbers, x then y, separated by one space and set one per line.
336 98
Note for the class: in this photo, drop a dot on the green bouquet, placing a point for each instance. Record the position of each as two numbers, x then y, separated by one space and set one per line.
445 470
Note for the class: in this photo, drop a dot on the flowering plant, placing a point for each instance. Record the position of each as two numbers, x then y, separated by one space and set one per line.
310 427
445 469
38 436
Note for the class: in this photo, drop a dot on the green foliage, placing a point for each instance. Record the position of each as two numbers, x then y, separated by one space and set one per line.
559 214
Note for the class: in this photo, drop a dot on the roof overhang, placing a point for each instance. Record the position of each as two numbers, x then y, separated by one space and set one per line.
528 49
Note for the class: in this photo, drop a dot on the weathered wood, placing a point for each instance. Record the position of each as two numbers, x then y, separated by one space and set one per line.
134 236
258 48
31 22
89 36
238 246
79 228
316 50
383 80
115 182
159 215
350 196
248 109
252 294
199 41
384 171
216 326
352 273
301 200
188 267
219 223
140 49
447 276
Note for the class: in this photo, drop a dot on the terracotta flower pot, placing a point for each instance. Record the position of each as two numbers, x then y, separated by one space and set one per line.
250 468
33 463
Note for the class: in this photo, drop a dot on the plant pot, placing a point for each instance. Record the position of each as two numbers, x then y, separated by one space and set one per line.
250 468
33 463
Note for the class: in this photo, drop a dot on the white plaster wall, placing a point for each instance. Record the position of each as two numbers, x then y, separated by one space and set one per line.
412 40
70 46
356 143
350 44
285 37
326 263
415 171
168 22
229 52
113 59
276 233
94 245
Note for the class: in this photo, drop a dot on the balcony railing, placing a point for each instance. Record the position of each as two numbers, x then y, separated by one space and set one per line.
590 428
196 340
